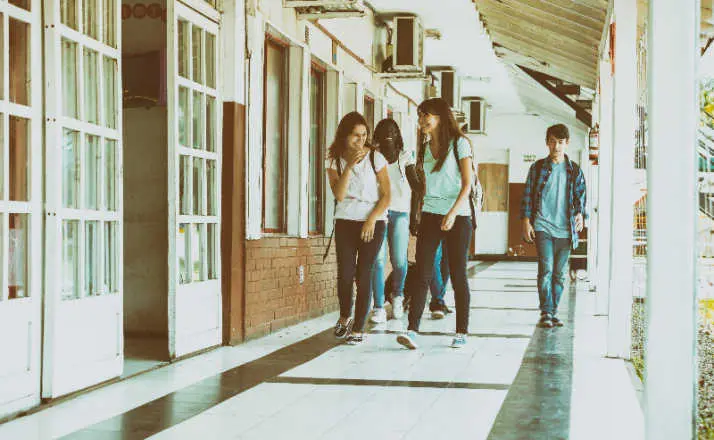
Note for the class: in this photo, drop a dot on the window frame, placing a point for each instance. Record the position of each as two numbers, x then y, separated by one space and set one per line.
276 42
373 103
319 71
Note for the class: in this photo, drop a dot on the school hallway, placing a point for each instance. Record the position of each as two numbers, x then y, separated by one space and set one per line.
512 381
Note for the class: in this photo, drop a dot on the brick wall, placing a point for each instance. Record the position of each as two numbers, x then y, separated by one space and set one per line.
275 298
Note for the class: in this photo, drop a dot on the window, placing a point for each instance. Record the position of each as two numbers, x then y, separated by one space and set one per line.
317 150
369 112
274 145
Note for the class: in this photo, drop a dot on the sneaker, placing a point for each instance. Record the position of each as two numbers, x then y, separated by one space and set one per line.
546 320
398 307
408 340
379 315
341 330
438 314
355 339
458 341
556 321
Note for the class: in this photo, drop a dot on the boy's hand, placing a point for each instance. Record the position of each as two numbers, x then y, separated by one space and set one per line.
528 231
579 223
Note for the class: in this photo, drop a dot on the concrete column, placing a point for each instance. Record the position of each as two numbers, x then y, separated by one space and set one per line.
604 181
673 31
623 171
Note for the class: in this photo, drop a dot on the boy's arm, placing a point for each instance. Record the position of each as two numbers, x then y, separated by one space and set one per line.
526 209
581 195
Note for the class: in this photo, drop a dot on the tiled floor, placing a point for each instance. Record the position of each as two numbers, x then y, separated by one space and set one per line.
512 381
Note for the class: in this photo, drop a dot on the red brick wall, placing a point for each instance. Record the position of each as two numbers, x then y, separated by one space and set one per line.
274 296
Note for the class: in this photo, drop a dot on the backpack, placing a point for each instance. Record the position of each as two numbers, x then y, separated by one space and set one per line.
476 194
339 173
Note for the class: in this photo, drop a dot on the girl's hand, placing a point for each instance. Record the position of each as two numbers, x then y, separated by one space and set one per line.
353 157
368 230
448 222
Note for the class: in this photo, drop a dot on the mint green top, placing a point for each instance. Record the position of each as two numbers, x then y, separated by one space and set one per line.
443 187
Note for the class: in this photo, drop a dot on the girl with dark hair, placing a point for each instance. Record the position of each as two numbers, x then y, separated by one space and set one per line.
444 165
360 183
402 178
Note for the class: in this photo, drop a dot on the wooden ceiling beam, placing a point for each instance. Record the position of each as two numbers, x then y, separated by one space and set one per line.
514 41
564 71
587 104
583 115
544 37
523 9
568 89
598 12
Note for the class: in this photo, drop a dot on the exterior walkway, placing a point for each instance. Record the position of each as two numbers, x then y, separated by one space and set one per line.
512 381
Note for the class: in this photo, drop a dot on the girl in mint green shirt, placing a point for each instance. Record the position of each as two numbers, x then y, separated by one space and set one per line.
445 213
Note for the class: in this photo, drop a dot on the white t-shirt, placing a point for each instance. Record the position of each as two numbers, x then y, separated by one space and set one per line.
362 191
401 192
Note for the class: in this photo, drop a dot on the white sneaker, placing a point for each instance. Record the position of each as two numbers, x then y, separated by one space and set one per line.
379 316
398 307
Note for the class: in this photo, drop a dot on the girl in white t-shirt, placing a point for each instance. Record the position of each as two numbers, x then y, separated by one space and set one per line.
360 183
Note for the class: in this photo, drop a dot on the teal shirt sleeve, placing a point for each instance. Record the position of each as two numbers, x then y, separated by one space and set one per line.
463 148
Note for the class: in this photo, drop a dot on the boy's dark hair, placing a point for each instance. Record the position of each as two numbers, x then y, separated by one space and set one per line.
558 131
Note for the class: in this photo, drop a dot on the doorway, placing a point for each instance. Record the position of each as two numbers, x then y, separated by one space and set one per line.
145 324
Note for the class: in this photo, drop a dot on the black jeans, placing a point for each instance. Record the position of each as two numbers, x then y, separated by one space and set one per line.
457 241
355 257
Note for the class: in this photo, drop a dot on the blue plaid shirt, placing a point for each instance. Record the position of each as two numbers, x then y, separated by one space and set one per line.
535 183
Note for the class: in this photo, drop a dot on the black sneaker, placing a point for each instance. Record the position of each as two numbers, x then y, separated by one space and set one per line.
355 339
546 320
439 311
556 322
341 330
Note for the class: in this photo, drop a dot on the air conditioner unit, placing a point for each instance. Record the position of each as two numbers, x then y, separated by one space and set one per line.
450 87
316 9
475 110
407 44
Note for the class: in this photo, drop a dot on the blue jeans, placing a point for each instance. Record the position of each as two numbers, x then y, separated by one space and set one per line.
457 242
397 241
553 255
441 276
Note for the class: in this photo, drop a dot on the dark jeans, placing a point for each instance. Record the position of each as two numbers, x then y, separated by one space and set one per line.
553 255
457 242
355 260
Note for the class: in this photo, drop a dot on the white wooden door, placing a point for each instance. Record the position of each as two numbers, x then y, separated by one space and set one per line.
194 179
83 331
20 204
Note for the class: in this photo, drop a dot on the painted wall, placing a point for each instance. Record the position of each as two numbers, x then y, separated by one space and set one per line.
514 139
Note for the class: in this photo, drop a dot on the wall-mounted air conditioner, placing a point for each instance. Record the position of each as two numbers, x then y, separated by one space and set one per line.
315 9
475 111
450 87
444 82
407 44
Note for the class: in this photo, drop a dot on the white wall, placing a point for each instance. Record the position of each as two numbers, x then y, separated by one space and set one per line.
509 139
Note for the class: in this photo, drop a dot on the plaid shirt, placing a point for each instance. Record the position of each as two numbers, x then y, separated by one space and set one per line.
535 183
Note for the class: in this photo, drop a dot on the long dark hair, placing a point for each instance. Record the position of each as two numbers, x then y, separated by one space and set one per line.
448 130
347 124
387 127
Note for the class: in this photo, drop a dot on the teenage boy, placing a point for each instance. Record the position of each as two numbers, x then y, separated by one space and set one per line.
552 215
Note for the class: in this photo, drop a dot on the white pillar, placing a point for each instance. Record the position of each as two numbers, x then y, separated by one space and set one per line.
604 181
670 363
623 169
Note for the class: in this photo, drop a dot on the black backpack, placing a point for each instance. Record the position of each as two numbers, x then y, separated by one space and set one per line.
338 162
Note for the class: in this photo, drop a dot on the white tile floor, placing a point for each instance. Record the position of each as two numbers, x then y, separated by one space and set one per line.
602 394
